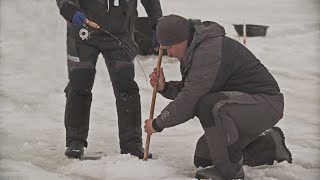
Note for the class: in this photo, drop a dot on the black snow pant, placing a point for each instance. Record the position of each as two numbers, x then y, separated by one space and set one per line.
82 59
232 122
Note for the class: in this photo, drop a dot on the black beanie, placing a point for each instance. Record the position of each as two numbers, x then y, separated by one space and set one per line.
172 30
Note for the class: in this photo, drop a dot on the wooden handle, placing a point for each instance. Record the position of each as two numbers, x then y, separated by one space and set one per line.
153 102
91 23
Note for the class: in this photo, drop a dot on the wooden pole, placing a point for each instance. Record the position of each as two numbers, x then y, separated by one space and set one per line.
244 33
153 102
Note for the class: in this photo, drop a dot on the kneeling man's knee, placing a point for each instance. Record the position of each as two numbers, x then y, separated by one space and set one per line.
204 108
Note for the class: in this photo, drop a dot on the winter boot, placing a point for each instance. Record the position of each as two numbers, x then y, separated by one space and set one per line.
202 162
267 148
282 152
202 153
264 150
135 151
75 150
214 174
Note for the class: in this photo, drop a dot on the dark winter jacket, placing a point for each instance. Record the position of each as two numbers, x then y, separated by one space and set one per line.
115 19
213 63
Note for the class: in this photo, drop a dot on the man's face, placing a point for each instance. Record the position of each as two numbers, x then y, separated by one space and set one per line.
177 50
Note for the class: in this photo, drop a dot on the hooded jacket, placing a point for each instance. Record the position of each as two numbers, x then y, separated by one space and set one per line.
212 63
115 19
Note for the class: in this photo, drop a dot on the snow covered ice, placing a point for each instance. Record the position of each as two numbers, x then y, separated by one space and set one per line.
33 74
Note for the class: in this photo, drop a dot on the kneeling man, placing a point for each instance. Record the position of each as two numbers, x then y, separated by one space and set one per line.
233 94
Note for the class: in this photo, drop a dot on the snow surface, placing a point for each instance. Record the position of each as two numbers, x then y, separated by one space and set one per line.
33 74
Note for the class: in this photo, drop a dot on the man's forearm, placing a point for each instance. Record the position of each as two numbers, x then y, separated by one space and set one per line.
153 9
171 89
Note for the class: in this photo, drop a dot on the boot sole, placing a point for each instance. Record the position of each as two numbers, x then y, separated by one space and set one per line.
284 145
212 173
74 155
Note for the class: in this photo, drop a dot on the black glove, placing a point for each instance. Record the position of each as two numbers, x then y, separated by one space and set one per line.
155 42
78 18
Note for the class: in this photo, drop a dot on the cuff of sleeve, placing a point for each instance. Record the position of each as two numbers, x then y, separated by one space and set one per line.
164 89
67 10
155 126
154 23
154 26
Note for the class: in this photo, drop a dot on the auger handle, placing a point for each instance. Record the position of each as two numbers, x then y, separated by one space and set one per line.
153 102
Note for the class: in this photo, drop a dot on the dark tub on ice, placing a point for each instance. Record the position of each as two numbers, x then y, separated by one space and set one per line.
252 30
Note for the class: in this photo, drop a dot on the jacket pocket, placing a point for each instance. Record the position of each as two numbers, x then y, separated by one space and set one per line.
121 19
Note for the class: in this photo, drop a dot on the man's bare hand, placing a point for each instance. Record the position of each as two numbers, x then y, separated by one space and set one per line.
148 126
154 78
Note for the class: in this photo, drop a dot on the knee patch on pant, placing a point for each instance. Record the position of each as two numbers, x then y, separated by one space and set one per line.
232 135
82 77
204 108
124 76
228 126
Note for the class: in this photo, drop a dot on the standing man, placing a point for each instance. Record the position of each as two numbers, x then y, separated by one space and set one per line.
229 90
118 18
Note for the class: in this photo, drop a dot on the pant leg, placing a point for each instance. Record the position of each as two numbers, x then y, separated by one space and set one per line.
219 133
202 153
81 71
261 151
250 114
119 61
